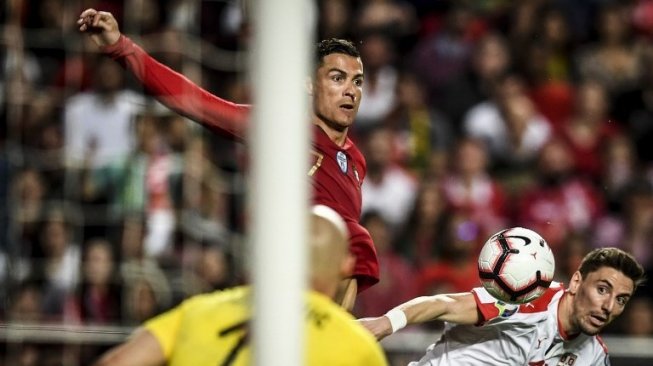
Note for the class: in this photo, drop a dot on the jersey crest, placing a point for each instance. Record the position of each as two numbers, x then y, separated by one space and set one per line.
341 158
505 310
568 359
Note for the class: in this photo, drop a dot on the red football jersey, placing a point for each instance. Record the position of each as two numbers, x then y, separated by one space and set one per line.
337 172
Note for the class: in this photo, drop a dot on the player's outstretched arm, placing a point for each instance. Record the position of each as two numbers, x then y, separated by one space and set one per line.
101 26
456 308
168 86
141 349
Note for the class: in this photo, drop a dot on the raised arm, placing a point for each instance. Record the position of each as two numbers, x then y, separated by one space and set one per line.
168 86
101 27
457 308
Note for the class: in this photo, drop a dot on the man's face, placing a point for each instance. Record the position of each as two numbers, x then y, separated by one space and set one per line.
337 90
599 298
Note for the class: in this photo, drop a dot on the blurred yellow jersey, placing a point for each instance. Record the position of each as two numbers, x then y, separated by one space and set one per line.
212 329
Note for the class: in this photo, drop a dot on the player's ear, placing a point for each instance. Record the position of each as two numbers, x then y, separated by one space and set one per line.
347 266
575 281
309 86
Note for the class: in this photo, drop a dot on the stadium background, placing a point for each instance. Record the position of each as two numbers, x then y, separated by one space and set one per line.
476 115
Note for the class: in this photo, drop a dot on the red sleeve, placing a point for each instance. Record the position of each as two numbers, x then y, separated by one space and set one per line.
366 269
487 309
179 93
490 308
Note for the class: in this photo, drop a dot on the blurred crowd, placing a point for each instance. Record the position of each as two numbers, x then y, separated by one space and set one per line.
476 116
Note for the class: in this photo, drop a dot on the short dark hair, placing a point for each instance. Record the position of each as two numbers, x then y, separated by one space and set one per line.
614 258
334 45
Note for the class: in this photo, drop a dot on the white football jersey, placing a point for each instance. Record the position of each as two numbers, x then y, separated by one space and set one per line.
527 334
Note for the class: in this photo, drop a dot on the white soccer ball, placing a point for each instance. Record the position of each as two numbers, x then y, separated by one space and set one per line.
516 265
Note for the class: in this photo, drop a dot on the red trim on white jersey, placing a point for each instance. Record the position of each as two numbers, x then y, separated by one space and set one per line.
542 303
486 306
490 308
602 343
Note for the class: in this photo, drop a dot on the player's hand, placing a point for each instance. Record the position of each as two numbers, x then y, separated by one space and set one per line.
100 25
379 327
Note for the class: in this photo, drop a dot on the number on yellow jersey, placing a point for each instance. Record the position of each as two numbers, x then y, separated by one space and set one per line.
242 342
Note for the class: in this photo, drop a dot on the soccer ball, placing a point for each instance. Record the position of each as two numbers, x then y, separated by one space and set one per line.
516 265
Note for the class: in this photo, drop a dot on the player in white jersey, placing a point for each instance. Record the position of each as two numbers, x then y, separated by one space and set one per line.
560 328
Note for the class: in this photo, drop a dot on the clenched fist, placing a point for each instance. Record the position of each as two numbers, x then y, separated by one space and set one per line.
101 26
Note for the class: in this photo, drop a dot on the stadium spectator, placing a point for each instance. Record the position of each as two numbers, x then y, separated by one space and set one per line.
589 128
574 248
97 298
146 288
5 184
28 191
490 60
421 132
142 301
61 255
523 17
470 190
632 227
560 326
615 59
559 202
143 16
142 181
422 239
205 266
178 132
554 99
397 283
456 269
546 62
633 109
336 89
206 205
380 88
395 17
20 69
334 20
187 334
443 55
389 188
26 304
638 318
113 109
508 123
620 168
213 270
26 308
556 41
527 131
59 260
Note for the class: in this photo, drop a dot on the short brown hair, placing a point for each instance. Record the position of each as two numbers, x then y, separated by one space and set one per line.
614 258
334 45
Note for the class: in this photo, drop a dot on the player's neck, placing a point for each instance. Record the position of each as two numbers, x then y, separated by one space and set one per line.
337 136
565 310
326 288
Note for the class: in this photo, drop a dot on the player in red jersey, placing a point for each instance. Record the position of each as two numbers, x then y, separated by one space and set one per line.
338 166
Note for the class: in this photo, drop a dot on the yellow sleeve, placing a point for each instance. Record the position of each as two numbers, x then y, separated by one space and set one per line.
336 338
165 327
376 357
368 349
